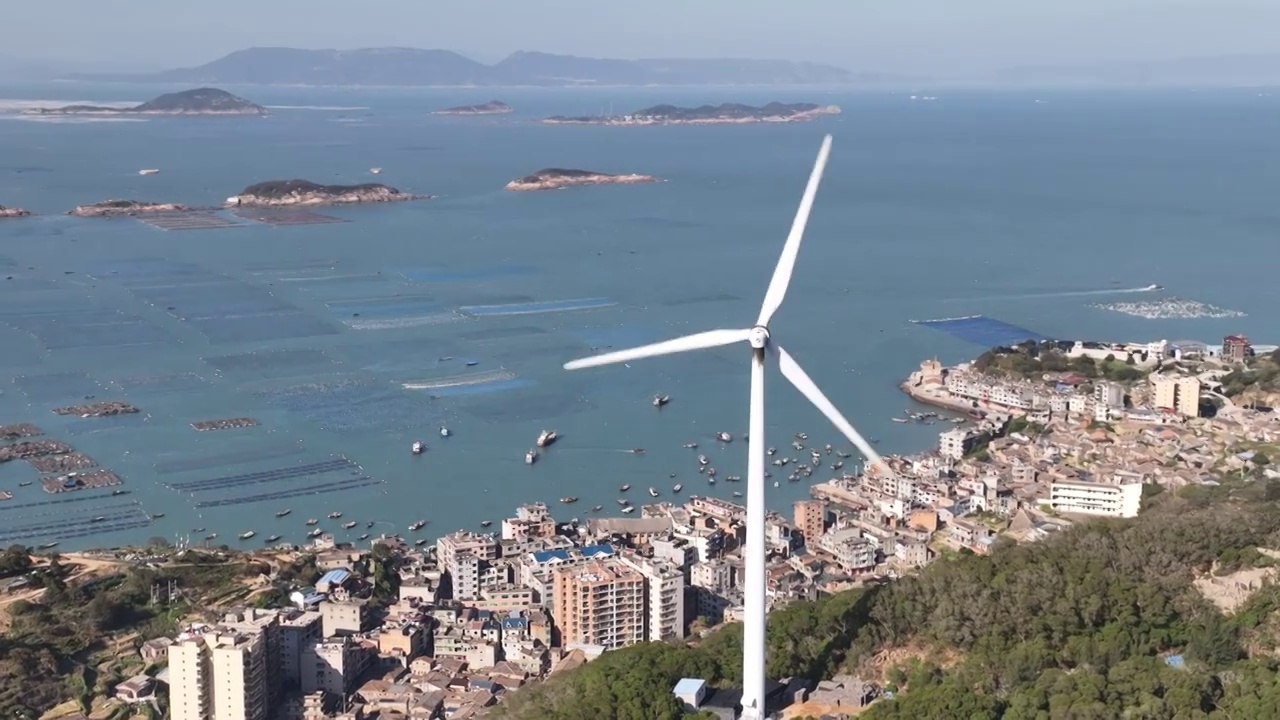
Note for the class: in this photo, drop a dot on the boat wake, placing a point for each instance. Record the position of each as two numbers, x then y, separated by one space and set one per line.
1064 294
466 380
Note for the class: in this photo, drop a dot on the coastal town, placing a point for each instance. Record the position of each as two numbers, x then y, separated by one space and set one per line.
1032 438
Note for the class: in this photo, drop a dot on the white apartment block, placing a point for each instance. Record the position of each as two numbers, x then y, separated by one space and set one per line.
333 666
975 387
450 546
664 597
1178 393
219 675
1094 498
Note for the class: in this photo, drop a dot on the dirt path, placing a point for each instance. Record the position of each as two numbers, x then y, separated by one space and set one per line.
81 566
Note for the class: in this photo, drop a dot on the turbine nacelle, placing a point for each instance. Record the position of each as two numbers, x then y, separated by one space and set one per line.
758 337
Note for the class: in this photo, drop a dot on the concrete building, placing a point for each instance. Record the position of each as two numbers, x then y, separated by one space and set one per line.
955 443
811 519
228 672
464 571
298 630
1236 348
190 679
849 548
343 618
1108 394
664 597
1096 498
333 666
448 547
1178 393
600 603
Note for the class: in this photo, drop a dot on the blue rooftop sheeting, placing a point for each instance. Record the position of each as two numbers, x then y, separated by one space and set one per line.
546 556
596 550
334 577
514 623
982 330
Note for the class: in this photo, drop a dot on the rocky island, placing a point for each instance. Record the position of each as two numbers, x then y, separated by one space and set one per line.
556 178
111 208
201 101
12 212
493 107
274 193
728 113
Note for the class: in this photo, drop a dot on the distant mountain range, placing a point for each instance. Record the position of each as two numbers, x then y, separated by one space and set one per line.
410 66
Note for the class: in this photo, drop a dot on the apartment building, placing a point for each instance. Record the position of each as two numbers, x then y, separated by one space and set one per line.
333 666
1096 498
1236 348
190 679
1178 393
448 547
298 631
664 596
600 603
811 519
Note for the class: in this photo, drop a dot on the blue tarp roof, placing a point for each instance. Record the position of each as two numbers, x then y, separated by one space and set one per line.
334 577
546 556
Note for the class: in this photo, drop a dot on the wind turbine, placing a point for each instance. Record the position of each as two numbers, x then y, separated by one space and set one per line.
762 344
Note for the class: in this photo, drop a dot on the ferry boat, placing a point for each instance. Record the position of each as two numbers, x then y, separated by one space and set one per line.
625 487
247 534
678 487
273 538
546 437
335 515
629 509
282 513
724 437
418 525
418 447
568 500
660 400
312 521
349 525
653 492
444 432
531 457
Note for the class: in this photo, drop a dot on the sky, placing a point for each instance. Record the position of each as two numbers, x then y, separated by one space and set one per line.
896 36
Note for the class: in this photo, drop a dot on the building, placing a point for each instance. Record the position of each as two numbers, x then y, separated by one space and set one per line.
1178 393
137 689
190 682
600 603
298 630
333 666
1108 394
464 573
1236 348
223 673
343 618
1096 498
450 546
850 549
954 443
664 597
810 519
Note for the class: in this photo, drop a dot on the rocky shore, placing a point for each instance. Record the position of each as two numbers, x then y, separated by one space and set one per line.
726 114
201 101
12 212
109 208
493 107
556 178
282 193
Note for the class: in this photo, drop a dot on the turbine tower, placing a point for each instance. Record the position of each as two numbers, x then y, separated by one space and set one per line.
761 341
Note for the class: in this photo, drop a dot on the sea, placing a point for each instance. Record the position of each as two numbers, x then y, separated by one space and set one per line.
349 339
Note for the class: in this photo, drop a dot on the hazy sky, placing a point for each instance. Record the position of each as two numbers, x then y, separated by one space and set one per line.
924 36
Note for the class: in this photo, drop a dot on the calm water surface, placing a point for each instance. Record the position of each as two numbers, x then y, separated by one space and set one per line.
977 203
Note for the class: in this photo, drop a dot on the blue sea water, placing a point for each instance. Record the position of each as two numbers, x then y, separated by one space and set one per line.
1023 207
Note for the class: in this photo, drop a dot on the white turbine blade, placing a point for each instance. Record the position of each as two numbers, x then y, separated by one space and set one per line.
787 263
798 377
698 341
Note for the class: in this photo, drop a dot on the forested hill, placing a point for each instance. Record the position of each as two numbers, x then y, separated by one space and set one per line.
1077 626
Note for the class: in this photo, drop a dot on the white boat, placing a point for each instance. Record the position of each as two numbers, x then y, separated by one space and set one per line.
376 171
315 533
771 451
531 457
625 487
335 515
348 525
486 523
149 171
417 525
629 509
723 436
691 445
546 437
660 400
444 431
247 534
678 487
901 420
418 447
653 493
702 460
737 494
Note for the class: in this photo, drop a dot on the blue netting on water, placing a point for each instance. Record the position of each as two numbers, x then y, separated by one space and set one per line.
233 452
982 330
20 283
85 426
206 300
273 364
401 306
527 406
163 384
349 405
701 299
483 335
435 275
256 328
532 308
55 387
87 328
617 337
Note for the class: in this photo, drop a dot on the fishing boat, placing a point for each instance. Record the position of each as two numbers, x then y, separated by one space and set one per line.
660 400
629 509
444 431
546 437
702 460
486 523
335 515
653 492
24 484
157 515
198 530
624 502
711 480
282 513
802 436
273 538
531 457
737 494
472 363
724 437
98 519
711 472
842 454
375 171
900 420
349 525
315 533
637 451
417 525
48 545
421 541
733 478
837 465
597 508
247 534
312 521
364 536
149 171
771 451
691 445
211 536
568 500
828 449
417 447
625 487
678 487
117 492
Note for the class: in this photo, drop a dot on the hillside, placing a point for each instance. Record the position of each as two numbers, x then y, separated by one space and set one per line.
200 101
1076 626
418 67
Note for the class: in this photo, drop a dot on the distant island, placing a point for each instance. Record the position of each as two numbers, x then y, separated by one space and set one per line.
400 66
12 212
109 208
493 107
201 101
556 178
304 192
705 115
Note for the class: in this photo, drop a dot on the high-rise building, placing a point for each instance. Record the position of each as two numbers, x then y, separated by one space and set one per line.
228 672
811 519
190 679
298 630
600 603
334 666
1178 393
664 596
1236 348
